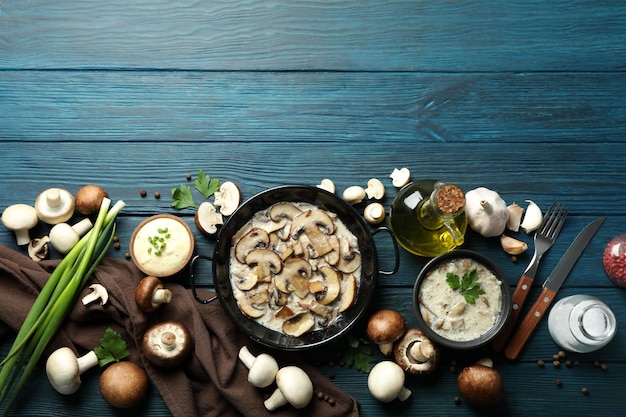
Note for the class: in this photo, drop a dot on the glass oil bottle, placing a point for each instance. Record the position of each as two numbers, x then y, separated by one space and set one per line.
428 217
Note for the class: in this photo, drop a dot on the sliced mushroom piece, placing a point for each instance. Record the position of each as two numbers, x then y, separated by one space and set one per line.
294 277
321 310
256 238
332 257
252 307
207 218
265 262
348 294
281 211
284 313
317 225
269 225
299 324
350 259
227 198
331 285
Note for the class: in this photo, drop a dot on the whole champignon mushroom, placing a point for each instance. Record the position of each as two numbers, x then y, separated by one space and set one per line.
263 368
481 385
150 294
207 218
386 382
385 327
227 198
415 353
89 199
64 369
374 213
54 206
294 387
20 218
63 237
354 194
167 344
124 384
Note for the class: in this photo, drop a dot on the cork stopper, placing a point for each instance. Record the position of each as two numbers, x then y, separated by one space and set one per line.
450 199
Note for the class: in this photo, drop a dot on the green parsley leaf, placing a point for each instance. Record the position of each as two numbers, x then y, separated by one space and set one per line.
469 286
182 197
112 348
206 185
358 353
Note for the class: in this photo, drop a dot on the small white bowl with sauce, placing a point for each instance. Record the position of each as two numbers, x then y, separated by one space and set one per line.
162 245
462 299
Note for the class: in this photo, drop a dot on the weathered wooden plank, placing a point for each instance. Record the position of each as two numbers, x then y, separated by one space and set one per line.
315 35
303 106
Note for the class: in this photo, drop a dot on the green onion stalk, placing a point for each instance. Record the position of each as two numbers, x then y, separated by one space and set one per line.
54 302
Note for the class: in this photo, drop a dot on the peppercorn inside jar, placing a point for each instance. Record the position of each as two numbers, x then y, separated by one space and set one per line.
614 260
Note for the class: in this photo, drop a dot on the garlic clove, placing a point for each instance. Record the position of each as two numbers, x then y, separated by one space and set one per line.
512 246
515 217
533 218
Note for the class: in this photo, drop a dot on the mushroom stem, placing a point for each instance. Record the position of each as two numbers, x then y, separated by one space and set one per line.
161 295
404 394
87 362
82 226
246 357
276 400
422 351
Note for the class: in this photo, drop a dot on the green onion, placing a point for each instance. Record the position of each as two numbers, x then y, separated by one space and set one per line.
54 302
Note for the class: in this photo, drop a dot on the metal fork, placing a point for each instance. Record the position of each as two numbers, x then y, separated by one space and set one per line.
543 240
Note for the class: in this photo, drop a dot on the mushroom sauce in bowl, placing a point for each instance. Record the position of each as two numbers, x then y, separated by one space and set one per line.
462 299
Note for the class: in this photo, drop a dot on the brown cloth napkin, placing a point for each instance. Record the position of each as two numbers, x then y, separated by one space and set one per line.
213 382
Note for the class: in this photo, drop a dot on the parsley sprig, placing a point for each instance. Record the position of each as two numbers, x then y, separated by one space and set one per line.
469 286
357 352
182 195
112 348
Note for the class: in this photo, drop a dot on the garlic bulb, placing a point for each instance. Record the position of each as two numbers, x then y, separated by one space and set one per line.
533 218
487 212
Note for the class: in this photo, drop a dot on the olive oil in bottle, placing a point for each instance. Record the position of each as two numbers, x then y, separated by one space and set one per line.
428 217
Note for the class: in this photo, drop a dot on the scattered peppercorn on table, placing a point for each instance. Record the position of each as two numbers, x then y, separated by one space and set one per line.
523 97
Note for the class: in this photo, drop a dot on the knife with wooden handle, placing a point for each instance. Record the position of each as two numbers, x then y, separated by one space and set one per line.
550 288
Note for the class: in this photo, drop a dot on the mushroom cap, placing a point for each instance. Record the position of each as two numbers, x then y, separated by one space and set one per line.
385 381
89 199
167 344
62 370
124 384
63 237
411 342
295 385
481 386
20 218
54 205
262 368
385 326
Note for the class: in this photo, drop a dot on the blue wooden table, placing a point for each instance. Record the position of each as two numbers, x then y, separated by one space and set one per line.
525 97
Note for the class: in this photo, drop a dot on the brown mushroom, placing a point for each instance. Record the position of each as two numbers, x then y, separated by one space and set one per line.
89 199
384 328
207 218
150 294
415 353
167 344
124 384
481 386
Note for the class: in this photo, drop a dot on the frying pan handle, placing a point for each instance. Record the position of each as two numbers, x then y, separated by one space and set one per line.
192 279
395 250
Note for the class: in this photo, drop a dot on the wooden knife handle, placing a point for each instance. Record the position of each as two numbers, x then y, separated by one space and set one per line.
526 327
517 301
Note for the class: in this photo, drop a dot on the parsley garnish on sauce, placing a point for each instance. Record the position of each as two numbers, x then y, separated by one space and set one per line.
469 286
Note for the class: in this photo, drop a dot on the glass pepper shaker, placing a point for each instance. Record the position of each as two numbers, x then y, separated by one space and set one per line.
581 323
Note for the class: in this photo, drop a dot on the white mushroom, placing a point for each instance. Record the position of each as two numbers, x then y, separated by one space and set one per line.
98 292
386 382
400 177
227 198
64 369
327 185
375 189
374 213
294 387
263 368
354 194
207 218
20 218
63 237
54 205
